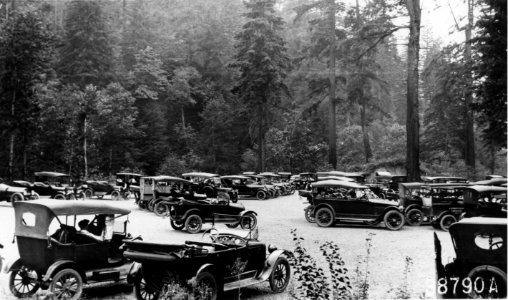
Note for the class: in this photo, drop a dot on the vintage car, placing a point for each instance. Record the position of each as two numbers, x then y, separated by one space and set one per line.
53 184
479 267
444 179
284 187
128 183
54 254
192 213
349 202
228 262
273 191
12 192
485 201
285 176
99 189
210 185
245 186
157 188
303 181
445 204
390 181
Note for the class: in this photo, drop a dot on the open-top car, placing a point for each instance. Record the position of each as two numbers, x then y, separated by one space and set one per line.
284 187
12 192
208 269
273 190
128 183
54 254
210 185
479 267
192 213
334 201
53 184
485 201
99 189
245 186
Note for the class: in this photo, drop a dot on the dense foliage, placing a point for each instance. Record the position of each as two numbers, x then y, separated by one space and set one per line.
168 86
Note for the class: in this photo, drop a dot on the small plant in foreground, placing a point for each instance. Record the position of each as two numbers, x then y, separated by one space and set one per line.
341 288
362 277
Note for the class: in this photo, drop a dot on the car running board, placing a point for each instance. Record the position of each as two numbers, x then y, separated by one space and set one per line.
357 220
241 283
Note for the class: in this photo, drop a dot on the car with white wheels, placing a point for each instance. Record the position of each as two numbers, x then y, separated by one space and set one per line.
12 192
207 269
55 255
191 214
334 201
479 267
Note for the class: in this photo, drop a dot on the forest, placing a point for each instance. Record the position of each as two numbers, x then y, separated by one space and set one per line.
93 87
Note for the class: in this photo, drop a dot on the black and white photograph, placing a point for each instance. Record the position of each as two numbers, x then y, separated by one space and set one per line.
253 149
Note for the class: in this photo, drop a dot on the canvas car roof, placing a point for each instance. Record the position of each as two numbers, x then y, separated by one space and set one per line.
51 174
235 177
487 188
493 181
73 207
338 183
444 177
284 173
339 178
199 174
166 178
128 174
269 174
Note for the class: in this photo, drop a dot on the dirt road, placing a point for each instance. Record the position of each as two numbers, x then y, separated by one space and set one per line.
388 272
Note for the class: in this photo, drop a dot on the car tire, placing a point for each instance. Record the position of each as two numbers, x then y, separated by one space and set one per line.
151 204
16 197
206 286
115 195
248 221
394 220
324 217
279 278
193 224
494 274
177 225
59 197
88 193
414 217
142 204
309 214
232 225
141 291
35 196
261 195
161 209
23 282
72 281
446 221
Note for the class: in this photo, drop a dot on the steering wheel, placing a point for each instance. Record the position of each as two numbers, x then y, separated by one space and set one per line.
228 239
496 245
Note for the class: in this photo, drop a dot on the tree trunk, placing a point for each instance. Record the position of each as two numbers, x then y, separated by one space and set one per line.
260 167
183 117
470 150
332 135
13 137
366 142
85 158
412 122
110 161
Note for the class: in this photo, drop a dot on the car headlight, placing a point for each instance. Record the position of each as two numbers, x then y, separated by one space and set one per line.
401 208
271 248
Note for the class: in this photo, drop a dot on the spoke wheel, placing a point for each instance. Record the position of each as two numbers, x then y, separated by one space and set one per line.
324 217
143 292
446 221
177 225
23 282
67 284
261 195
309 214
59 197
151 205
279 278
115 195
414 217
161 209
16 197
489 282
248 221
193 223
394 220
88 194
206 287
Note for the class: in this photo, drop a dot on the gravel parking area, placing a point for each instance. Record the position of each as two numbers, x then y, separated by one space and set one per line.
387 266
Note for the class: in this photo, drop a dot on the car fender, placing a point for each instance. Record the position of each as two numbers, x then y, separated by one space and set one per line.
413 206
194 211
134 272
10 266
63 264
250 211
270 262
